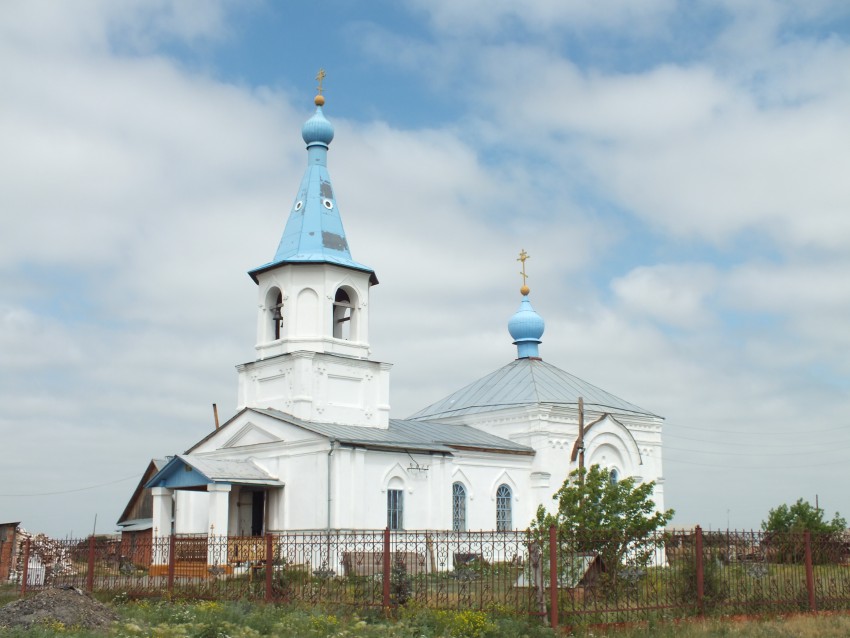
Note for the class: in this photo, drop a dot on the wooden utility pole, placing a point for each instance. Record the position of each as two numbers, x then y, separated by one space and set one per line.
580 433
581 440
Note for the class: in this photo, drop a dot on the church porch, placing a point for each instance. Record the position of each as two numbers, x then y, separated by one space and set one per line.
212 514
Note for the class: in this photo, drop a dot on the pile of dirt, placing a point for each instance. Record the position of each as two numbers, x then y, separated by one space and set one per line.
67 605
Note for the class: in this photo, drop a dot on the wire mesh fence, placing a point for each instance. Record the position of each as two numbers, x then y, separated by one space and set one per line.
591 579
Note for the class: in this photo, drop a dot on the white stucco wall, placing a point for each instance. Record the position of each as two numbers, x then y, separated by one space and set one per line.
319 387
359 478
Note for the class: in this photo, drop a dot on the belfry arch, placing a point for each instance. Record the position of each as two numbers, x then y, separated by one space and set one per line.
274 320
345 317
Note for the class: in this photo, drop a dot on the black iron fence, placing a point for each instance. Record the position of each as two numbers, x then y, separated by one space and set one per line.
590 579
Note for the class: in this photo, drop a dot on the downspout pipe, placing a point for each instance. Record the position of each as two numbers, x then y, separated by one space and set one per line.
330 495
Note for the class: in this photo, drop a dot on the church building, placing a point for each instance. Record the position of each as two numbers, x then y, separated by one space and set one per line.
312 445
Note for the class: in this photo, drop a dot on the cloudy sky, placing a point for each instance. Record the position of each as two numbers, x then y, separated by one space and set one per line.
678 172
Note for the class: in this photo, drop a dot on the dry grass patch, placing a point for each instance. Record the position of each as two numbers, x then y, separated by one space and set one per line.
818 626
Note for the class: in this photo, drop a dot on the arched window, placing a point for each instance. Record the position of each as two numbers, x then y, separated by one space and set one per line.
458 507
504 515
613 476
343 309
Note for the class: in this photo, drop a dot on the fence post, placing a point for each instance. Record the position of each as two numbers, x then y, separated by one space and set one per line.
810 572
269 567
699 569
25 567
172 543
90 571
553 577
386 566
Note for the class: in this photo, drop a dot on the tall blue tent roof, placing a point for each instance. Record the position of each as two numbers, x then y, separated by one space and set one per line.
314 232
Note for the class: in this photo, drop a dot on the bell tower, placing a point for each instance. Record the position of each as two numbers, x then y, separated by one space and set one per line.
313 310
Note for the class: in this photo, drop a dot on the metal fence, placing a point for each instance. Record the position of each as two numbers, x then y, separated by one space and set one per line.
588 579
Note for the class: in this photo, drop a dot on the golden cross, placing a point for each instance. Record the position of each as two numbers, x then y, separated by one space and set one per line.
522 257
320 77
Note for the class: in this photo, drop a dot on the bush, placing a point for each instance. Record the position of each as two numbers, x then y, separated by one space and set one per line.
400 584
684 584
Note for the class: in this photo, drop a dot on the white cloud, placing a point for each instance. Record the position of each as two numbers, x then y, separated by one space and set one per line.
30 341
674 295
151 189
490 17
688 151
51 29
811 302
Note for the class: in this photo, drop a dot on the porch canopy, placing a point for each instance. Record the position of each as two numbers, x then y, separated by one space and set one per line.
185 472
214 476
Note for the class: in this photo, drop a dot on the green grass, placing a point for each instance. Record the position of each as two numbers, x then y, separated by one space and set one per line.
208 619
8 593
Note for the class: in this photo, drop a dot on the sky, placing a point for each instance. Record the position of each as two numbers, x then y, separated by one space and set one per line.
677 171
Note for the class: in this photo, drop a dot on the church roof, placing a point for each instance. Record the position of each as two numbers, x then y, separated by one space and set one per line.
526 382
314 232
406 435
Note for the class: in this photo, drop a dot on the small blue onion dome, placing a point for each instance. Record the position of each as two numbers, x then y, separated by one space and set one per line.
317 130
526 328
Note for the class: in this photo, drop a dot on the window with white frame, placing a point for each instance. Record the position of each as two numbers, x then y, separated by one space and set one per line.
504 515
395 509
458 507
614 476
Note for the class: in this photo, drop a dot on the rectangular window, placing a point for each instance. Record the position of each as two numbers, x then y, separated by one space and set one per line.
395 509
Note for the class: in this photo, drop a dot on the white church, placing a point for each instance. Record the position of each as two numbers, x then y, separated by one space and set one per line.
312 445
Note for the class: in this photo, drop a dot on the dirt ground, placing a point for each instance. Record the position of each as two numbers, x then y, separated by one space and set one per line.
69 606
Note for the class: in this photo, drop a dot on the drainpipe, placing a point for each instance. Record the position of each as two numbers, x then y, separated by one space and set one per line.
330 498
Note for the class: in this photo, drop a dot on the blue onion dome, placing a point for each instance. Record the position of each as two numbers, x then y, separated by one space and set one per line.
526 328
317 130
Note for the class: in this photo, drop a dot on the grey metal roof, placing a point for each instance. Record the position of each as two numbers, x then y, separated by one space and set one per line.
406 435
138 525
526 382
229 470
203 471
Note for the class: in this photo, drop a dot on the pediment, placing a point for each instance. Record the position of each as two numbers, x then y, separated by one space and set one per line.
250 434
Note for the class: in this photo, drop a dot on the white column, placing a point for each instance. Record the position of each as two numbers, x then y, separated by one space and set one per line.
162 514
219 506
275 505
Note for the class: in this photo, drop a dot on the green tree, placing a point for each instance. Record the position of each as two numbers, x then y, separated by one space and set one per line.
616 519
784 529
801 516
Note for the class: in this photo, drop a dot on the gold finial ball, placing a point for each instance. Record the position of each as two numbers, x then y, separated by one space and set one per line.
525 290
320 100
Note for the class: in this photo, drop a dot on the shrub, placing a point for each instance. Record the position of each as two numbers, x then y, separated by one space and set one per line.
713 587
400 584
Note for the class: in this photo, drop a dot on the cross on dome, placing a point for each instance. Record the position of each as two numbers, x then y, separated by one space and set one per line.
526 326
523 256
320 99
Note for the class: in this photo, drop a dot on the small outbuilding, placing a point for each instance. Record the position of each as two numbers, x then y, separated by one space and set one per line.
9 533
